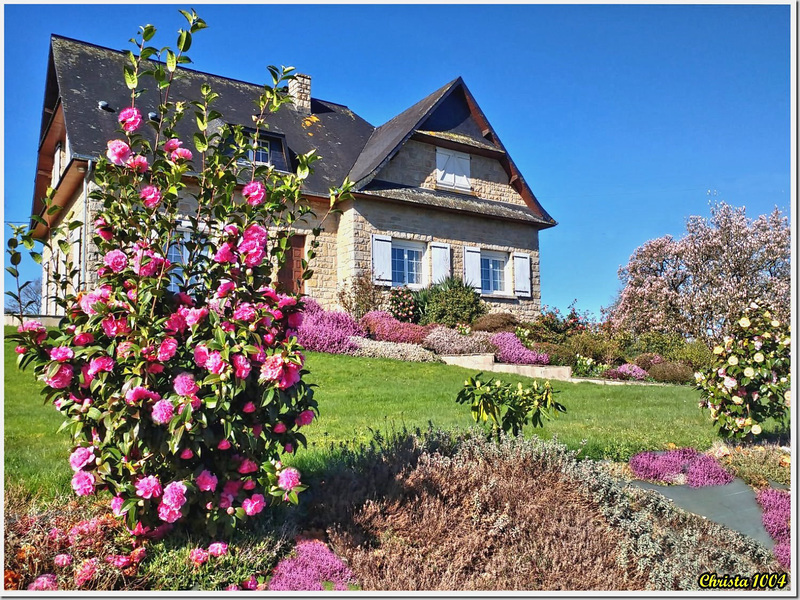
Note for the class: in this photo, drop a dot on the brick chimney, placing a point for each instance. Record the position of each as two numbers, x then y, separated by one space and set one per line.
300 91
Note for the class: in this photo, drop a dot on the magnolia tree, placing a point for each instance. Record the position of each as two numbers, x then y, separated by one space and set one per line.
180 403
698 285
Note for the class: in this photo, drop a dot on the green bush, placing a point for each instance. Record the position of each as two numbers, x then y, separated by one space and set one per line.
360 295
452 302
647 360
695 354
749 381
665 344
598 346
559 354
671 372
496 322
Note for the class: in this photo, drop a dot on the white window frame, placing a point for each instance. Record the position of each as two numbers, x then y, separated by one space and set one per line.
421 247
184 231
492 255
263 145
453 158
57 165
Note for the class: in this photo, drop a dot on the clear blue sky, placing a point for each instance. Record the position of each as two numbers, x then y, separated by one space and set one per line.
621 118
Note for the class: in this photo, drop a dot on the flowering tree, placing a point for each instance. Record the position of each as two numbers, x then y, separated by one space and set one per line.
180 402
697 286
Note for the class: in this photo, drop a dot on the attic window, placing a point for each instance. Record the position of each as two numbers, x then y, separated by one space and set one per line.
259 154
452 170
269 149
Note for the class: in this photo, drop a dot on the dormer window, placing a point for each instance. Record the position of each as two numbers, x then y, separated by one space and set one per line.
268 149
452 170
260 153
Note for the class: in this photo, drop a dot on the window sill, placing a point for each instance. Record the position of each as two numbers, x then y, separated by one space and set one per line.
444 188
500 296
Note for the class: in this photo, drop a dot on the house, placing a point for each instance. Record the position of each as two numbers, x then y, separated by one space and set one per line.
435 194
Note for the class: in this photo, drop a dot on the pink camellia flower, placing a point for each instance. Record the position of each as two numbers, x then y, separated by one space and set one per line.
113 327
232 588
81 457
206 481
729 382
187 454
138 163
201 355
130 118
272 369
290 376
279 427
20 349
231 229
119 560
44 583
247 466
277 314
162 412
86 571
295 320
36 327
185 299
116 260
61 354
138 530
88 377
167 349
83 483
253 258
254 192
168 514
250 584
148 487
227 326
215 363
218 549
284 301
116 506
288 479
151 196
62 378
185 385
253 505
181 154
175 324
172 145
249 484
304 418
242 366
101 364
138 394
245 312
82 339
288 448
249 408
194 316
198 556
62 560
118 152
225 288
174 494
223 445
225 253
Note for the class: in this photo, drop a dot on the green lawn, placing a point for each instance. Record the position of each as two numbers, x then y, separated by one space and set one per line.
359 394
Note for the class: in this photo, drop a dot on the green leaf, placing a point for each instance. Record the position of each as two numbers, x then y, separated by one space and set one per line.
200 142
172 61
13 271
131 79
37 257
148 31
184 40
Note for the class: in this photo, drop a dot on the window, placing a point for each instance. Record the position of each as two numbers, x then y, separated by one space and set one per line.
493 272
452 170
178 255
407 263
57 166
259 154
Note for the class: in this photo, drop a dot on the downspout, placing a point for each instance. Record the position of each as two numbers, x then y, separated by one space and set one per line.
85 233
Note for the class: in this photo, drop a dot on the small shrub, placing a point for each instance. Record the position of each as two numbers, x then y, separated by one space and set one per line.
509 407
598 346
327 331
402 305
408 352
444 340
559 354
626 372
384 327
670 372
647 360
510 350
587 367
654 342
496 322
749 381
360 295
451 302
757 465
695 354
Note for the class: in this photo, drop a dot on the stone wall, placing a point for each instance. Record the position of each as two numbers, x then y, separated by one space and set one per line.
420 224
415 164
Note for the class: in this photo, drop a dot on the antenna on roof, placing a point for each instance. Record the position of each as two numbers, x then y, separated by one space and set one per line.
103 105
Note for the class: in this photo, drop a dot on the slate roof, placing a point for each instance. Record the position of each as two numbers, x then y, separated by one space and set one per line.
88 74
85 74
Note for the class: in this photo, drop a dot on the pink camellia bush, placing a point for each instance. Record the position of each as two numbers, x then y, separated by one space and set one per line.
181 384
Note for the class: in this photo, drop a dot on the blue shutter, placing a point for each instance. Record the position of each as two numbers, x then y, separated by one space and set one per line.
472 267
522 274
382 259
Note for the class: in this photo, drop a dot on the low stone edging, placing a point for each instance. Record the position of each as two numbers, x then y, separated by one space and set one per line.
485 362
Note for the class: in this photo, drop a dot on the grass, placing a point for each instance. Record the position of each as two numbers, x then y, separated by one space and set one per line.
357 395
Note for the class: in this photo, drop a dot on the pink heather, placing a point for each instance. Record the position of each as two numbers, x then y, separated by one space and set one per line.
148 487
118 152
206 481
62 560
130 118
288 479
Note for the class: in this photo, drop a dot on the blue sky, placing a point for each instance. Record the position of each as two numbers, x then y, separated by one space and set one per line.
621 118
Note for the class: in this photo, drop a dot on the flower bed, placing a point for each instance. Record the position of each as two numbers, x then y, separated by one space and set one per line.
328 331
408 352
676 466
511 350
385 328
444 340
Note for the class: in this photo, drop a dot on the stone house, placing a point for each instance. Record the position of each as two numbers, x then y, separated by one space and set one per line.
435 194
